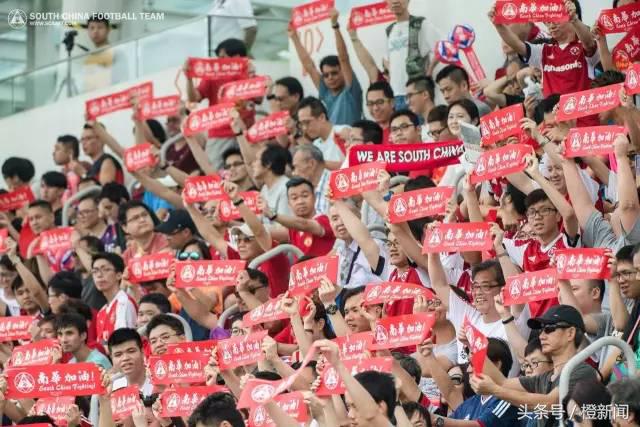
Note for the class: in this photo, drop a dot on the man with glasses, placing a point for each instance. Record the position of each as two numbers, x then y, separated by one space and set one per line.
381 106
162 330
404 128
178 228
89 223
286 94
308 163
420 96
236 169
138 222
120 311
314 122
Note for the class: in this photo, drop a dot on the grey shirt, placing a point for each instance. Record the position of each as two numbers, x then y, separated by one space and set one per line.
276 196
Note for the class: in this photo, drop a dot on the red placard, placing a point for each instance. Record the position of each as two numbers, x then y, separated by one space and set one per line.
124 402
529 287
270 311
408 157
582 263
500 162
37 353
355 180
139 156
591 141
521 11
218 68
478 344
16 199
291 403
458 237
55 240
310 13
61 379
182 401
55 407
240 351
4 234
620 19
150 267
588 102
216 117
273 125
117 101
501 124
202 347
228 212
203 188
15 328
632 81
370 14
196 274
183 368
305 276
156 107
380 293
256 392
353 346
255 87
332 384
421 203
627 51
402 331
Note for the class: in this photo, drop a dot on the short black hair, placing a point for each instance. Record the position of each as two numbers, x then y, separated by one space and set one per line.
70 141
517 198
329 60
232 47
94 244
157 299
455 73
114 192
166 320
77 307
487 265
276 158
17 284
20 167
468 105
371 131
91 197
383 86
71 320
532 346
411 408
215 409
439 113
202 245
113 259
410 365
607 78
381 387
255 274
536 196
38 419
406 113
316 106
293 86
233 151
545 106
122 335
54 179
423 83
99 18
626 253
43 204
349 293
132 204
67 283
498 351
296 181
157 130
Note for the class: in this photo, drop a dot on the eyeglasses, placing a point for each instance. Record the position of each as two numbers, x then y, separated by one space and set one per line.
377 103
244 239
85 212
434 303
456 379
626 275
161 338
484 286
543 212
410 95
549 329
102 270
228 166
533 364
253 290
143 215
401 128
183 256
435 134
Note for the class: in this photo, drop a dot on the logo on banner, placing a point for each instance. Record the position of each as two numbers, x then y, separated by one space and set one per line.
24 382
188 273
381 334
195 123
161 370
400 207
509 11
262 393
436 237
94 108
481 167
331 380
607 22
515 289
342 182
570 106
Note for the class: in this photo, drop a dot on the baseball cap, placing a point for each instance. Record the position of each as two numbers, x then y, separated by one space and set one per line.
243 229
558 314
178 219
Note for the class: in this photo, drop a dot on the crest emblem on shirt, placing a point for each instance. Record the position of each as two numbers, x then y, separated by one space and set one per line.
342 182
570 105
575 50
400 207
509 10
308 241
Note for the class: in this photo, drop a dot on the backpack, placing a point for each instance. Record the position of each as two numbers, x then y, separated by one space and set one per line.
415 61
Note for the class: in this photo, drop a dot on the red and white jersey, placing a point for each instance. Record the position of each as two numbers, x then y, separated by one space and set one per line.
121 312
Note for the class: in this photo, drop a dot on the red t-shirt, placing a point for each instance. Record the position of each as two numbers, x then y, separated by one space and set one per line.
403 306
209 89
314 245
276 270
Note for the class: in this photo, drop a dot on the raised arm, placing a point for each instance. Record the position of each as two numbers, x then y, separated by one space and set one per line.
365 58
628 204
603 49
294 222
263 237
305 59
206 230
158 189
510 38
583 31
359 232
192 92
199 155
580 198
494 91
566 296
438 278
29 279
409 244
327 294
106 137
341 47
440 375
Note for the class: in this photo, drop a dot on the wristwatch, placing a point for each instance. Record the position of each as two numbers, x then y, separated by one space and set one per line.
238 202
439 422
336 26
331 309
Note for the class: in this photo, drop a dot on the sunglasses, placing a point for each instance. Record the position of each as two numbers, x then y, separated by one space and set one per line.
183 256
549 329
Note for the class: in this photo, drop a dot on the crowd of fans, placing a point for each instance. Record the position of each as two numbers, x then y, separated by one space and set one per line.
87 298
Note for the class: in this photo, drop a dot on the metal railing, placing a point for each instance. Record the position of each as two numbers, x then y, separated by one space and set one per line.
94 189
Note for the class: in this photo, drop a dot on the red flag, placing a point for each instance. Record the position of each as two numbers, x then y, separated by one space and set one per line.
16 199
178 368
458 237
202 347
36 353
203 189
402 331
56 240
61 379
291 403
182 401
124 402
353 346
155 107
619 20
139 156
273 125
528 287
305 276
256 392
240 351
332 384
525 11
235 68
310 13
632 81
500 162
501 124
215 117
421 203
370 14
117 101
270 311
380 293
196 274
354 180
15 328
588 102
228 212
255 87
408 157
591 141
150 267
478 344
55 407
582 263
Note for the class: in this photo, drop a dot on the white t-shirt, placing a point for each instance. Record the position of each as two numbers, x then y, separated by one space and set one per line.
227 28
330 150
14 307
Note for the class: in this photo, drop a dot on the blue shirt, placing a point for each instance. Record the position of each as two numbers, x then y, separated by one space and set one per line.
345 107
493 413
95 357
155 203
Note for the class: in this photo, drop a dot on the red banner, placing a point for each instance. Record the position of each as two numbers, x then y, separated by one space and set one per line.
500 162
36 353
235 68
501 124
370 14
380 293
117 101
291 403
4 234
16 199
353 346
228 212
256 392
270 311
15 328
478 344
150 267
240 351
305 276
273 125
124 402
402 331
202 347
216 117
529 287
588 102
55 240
620 19
632 81
310 13
55 407
592 141
408 157
332 384
185 368
525 11
74 379
196 274
458 237
139 156
354 180
421 203
182 401
156 107
582 263
627 51
255 87
203 188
